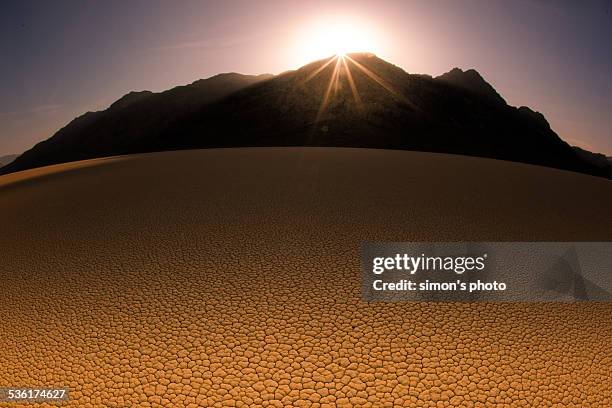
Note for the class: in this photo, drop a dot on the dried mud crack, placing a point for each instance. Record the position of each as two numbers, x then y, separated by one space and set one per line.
232 278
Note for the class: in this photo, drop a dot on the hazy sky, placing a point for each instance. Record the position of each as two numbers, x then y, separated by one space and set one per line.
59 59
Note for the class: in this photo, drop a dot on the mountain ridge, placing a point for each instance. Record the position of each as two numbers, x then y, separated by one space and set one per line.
6 159
146 116
356 101
472 80
597 159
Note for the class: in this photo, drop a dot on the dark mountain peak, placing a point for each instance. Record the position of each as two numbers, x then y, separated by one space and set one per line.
535 116
130 98
473 81
466 78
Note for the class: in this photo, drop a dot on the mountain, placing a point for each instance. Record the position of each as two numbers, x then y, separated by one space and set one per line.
596 159
472 81
356 101
4 160
130 121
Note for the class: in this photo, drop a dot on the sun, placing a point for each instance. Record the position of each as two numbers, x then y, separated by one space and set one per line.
331 46
335 36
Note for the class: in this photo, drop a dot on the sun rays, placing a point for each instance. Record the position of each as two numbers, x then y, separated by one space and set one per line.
351 81
333 84
344 67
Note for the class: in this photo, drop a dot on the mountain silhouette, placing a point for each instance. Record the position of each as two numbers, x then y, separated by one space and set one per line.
472 81
596 159
356 101
4 160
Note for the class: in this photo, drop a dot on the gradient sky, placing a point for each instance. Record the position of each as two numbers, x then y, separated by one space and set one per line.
60 59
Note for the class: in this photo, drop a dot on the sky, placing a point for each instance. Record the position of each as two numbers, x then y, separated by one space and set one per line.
61 59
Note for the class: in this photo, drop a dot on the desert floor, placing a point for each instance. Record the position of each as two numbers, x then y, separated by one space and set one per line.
232 278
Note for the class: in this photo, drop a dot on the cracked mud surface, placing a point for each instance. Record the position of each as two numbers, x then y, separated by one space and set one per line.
232 278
